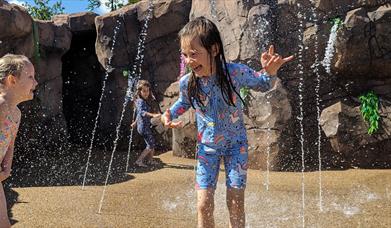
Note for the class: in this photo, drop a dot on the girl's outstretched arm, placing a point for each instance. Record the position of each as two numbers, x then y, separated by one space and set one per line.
179 107
153 115
247 77
143 108
265 79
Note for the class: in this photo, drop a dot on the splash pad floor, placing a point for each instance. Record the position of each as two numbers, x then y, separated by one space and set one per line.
165 197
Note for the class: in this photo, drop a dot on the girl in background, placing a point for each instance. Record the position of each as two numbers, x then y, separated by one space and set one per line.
143 122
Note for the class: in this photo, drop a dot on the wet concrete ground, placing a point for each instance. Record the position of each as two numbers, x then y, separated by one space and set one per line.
165 197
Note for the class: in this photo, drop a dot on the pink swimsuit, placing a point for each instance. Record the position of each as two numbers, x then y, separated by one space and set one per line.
7 132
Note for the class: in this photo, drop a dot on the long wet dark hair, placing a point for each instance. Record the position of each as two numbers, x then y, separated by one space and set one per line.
140 85
208 34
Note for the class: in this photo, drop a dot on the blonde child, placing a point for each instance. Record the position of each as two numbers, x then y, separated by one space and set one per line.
212 89
143 122
17 83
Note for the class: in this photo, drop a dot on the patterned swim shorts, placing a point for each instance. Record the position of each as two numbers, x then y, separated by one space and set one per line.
235 164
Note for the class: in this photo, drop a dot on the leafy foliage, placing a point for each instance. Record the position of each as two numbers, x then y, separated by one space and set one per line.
370 110
42 11
93 4
111 4
337 21
126 73
245 93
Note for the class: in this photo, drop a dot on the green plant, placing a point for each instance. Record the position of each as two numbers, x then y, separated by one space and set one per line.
245 93
125 73
112 4
337 21
42 11
133 1
370 110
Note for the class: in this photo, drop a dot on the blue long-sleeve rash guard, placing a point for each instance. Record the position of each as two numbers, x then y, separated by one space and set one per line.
220 126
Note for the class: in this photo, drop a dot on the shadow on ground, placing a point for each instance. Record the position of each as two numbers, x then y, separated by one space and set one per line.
46 168
159 165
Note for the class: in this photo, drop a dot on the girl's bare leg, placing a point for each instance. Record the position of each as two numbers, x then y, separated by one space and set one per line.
150 157
140 159
205 207
4 221
235 204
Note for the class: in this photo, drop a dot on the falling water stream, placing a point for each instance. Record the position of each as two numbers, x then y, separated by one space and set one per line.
259 31
130 141
301 18
213 11
268 154
328 56
132 81
315 68
108 70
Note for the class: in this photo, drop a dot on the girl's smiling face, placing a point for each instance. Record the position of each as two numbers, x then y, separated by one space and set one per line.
197 57
25 84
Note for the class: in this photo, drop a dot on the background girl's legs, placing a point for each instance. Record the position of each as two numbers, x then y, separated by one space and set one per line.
150 142
205 207
140 159
235 204
4 221
150 157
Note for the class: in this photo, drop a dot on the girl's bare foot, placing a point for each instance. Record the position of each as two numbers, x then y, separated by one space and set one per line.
153 162
141 164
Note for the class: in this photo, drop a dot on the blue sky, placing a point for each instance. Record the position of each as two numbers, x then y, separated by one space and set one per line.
71 6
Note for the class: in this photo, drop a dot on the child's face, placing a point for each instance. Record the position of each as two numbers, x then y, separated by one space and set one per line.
197 58
25 84
144 92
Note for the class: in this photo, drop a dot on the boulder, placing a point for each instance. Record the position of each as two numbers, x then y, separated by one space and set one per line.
43 125
77 22
245 27
44 121
267 115
347 131
363 42
16 37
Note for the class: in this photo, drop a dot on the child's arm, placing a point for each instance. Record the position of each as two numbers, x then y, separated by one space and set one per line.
179 107
247 77
266 78
153 115
142 107
7 160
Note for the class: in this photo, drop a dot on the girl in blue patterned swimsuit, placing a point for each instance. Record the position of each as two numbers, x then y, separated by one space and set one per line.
211 88
17 83
143 122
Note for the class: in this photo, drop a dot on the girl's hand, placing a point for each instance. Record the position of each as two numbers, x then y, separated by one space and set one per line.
156 115
133 124
271 61
4 174
166 120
